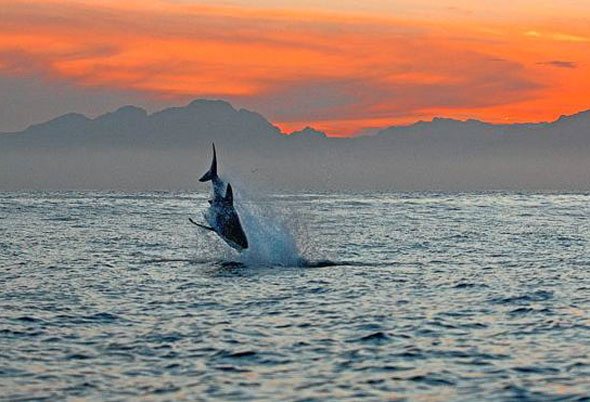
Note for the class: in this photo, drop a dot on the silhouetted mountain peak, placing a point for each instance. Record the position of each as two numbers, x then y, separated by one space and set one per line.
456 122
577 116
210 109
67 118
124 113
308 132
445 120
130 110
65 121
209 104
438 125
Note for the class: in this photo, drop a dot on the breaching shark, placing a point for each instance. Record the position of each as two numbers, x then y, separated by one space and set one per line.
221 214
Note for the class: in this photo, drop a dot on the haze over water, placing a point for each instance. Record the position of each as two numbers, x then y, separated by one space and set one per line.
404 295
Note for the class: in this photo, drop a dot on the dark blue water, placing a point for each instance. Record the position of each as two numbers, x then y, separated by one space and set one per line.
434 296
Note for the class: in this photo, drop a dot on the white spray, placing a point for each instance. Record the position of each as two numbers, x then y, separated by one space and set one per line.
271 240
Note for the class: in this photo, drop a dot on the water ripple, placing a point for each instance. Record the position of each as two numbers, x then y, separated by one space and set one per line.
409 296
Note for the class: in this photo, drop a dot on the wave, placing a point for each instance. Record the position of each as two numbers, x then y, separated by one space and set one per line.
230 263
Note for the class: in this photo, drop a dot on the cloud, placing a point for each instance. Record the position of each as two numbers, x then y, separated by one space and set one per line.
438 80
558 36
294 65
559 63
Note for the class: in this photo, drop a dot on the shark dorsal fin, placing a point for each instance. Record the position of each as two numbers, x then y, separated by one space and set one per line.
212 173
229 195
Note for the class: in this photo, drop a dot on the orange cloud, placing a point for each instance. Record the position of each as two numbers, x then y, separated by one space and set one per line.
340 71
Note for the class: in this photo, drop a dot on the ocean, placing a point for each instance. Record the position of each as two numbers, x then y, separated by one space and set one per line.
417 296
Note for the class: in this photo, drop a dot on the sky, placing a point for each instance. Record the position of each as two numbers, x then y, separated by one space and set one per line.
342 66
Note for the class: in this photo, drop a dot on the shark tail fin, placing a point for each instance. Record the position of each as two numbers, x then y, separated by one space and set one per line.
212 173
229 194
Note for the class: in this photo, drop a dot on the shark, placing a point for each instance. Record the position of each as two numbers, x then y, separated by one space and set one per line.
221 215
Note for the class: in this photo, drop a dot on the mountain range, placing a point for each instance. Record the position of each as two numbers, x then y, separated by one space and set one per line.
129 149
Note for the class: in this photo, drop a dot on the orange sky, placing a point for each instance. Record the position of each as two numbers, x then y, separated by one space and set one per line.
343 67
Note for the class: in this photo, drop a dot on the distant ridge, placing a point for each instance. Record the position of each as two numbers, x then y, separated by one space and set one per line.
309 132
130 148
220 106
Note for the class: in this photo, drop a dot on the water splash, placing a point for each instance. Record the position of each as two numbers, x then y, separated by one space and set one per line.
271 237
276 237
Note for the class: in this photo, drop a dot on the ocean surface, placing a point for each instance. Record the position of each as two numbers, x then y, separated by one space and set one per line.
419 296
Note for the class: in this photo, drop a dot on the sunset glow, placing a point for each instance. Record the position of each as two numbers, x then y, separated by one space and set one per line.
340 67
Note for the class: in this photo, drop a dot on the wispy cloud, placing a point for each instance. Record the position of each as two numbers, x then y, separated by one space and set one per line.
558 63
558 36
